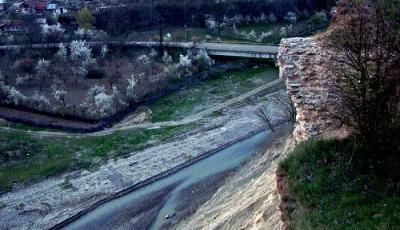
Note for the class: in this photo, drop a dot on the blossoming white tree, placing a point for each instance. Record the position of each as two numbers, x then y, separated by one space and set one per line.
42 72
130 89
167 59
81 58
104 51
291 17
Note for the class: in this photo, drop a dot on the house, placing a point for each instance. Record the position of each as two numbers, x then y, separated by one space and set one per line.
38 7
2 5
11 27
28 7
41 7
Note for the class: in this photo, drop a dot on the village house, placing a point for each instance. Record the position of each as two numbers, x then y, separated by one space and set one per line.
41 8
12 27
2 5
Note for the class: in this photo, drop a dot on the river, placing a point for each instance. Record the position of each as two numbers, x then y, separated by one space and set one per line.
163 203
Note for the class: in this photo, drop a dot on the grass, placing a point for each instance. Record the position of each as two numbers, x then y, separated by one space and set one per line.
210 92
20 126
25 158
332 194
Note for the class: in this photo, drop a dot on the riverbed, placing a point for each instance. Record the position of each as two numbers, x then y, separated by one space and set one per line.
163 203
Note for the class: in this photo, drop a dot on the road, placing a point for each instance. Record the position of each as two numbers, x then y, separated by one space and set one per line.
124 125
214 49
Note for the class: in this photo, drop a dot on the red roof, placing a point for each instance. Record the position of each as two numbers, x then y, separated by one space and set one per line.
41 5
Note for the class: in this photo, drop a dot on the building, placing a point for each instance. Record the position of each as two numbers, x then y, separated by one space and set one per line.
11 27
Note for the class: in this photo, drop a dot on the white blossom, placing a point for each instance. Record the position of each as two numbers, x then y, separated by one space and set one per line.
283 32
144 59
19 80
47 29
80 51
42 66
104 50
130 90
167 37
203 60
103 103
15 96
153 53
211 23
40 102
291 17
166 58
62 52
81 33
184 61
272 18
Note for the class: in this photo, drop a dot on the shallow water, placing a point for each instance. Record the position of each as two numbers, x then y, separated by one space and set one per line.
113 214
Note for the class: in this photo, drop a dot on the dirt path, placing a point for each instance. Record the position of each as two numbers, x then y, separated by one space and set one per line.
126 125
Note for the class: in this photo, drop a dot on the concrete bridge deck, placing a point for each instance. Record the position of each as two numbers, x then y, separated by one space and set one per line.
214 49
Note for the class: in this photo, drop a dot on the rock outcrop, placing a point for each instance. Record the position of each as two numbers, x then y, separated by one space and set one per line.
303 64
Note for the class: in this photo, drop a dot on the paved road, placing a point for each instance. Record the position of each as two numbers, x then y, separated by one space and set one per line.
123 126
221 49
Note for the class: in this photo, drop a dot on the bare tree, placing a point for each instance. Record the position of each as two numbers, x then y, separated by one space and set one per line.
266 116
285 105
367 74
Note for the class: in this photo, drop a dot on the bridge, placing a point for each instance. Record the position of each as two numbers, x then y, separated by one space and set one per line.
213 49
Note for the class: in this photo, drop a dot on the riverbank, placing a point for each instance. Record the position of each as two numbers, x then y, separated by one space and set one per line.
47 203
249 199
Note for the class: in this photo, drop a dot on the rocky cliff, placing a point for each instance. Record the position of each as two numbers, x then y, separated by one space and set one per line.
303 64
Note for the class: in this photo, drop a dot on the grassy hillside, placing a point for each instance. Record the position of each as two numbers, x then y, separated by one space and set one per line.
328 190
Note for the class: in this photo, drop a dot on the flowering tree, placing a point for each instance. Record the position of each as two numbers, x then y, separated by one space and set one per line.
52 33
39 102
203 61
184 65
61 53
166 58
42 71
104 51
130 90
15 97
103 104
81 58
144 59
81 52
59 93
291 17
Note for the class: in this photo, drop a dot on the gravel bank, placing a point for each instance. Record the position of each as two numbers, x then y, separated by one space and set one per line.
49 202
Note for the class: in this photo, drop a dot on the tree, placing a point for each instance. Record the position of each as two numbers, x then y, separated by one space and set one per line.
60 65
367 76
266 115
81 58
59 93
116 74
42 72
85 18
130 90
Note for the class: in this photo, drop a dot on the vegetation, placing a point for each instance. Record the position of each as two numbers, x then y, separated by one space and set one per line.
354 183
368 80
85 18
150 14
71 81
332 192
26 158
219 88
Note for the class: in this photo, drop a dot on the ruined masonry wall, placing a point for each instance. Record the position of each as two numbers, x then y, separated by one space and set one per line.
302 63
